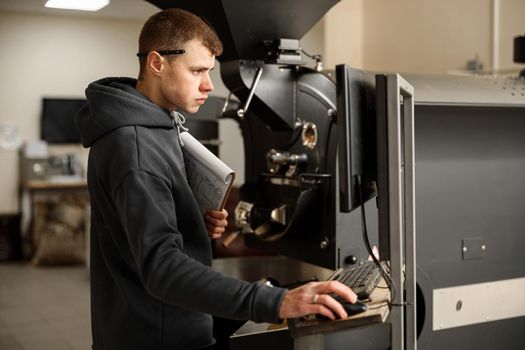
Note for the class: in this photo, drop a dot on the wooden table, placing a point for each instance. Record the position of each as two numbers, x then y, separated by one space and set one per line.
33 190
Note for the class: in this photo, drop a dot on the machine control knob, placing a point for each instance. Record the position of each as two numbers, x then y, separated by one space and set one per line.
277 159
351 260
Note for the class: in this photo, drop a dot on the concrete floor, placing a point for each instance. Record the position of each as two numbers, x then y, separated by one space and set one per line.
44 308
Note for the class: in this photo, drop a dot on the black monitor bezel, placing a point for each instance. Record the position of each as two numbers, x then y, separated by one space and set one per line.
48 117
356 124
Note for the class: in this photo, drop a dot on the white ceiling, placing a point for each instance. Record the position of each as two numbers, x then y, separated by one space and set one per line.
119 9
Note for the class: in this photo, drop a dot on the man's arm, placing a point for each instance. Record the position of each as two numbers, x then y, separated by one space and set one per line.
172 276
146 209
311 298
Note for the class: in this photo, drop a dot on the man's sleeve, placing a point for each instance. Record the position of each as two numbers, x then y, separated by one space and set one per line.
147 212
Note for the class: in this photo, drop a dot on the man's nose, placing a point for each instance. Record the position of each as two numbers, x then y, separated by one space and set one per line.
207 84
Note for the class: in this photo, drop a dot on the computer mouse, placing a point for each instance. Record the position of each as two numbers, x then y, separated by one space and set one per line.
351 309
355 308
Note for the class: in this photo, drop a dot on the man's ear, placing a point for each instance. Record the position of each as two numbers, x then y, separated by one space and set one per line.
155 63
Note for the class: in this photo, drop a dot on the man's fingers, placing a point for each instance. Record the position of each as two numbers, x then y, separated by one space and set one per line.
218 214
319 309
307 308
216 222
214 229
326 301
335 287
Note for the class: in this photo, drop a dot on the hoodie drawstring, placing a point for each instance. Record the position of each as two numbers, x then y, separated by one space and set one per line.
178 120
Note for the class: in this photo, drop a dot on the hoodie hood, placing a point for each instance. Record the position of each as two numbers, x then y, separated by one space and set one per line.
113 103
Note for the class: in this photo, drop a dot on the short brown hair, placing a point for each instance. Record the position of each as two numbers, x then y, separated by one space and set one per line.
170 29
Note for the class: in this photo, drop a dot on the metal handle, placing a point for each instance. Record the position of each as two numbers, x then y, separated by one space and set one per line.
242 111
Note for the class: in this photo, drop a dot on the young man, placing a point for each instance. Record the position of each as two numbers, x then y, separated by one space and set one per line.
151 282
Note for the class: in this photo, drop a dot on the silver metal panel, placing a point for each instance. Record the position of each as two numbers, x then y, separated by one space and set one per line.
477 303
401 206
395 208
410 214
467 90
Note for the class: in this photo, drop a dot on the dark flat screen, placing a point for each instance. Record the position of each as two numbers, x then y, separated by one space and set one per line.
57 123
356 116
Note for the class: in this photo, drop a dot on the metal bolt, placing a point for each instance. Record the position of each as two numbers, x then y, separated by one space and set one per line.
464 249
323 244
483 247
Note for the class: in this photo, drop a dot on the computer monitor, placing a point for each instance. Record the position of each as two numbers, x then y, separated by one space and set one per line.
356 125
57 122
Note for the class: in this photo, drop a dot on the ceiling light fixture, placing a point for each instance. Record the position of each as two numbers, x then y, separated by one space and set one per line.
82 5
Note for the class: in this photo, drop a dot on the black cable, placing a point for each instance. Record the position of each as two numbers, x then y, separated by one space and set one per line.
366 240
375 307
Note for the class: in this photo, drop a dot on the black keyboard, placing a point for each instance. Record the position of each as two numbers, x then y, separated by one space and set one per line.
362 279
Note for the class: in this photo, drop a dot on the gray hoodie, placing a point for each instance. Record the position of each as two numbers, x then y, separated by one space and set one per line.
151 282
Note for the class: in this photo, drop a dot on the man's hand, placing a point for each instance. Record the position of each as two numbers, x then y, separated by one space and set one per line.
216 223
313 298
